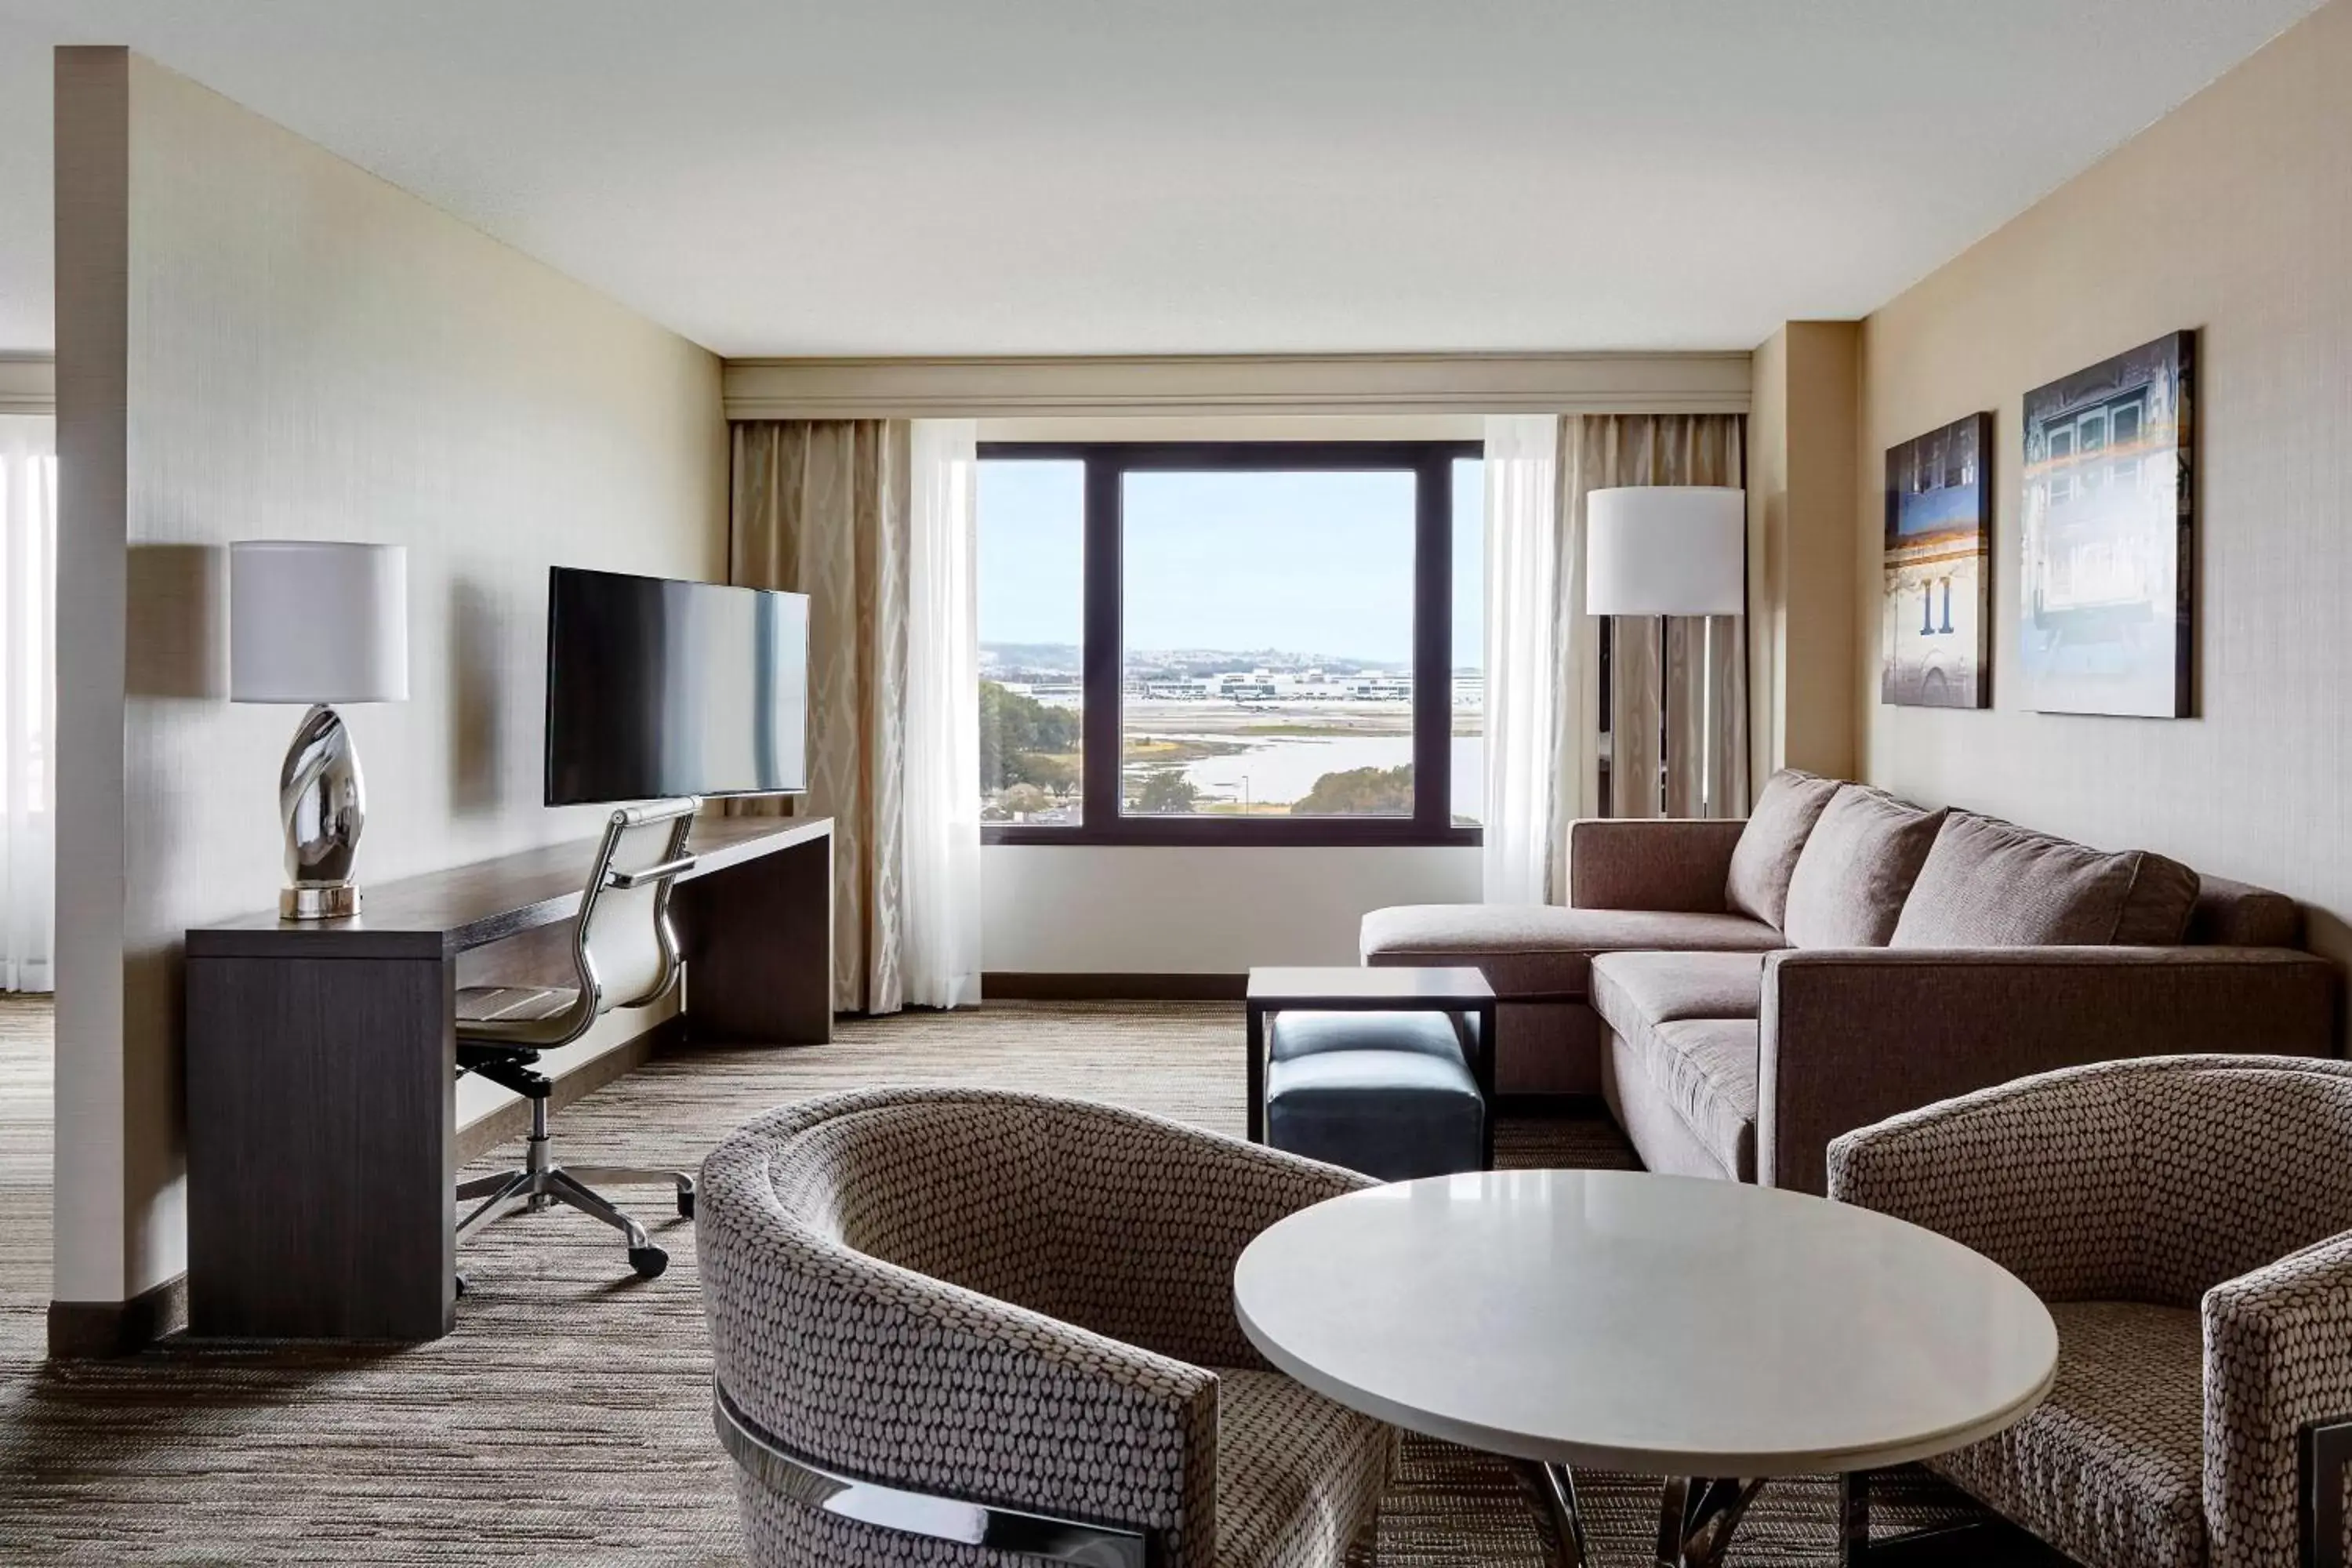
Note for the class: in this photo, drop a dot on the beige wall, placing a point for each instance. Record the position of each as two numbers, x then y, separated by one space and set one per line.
1154 909
1800 452
2233 216
258 339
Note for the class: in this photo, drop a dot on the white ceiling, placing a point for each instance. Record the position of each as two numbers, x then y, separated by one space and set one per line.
1105 176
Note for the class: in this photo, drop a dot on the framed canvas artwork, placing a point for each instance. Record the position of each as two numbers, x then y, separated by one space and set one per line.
2107 545
1936 625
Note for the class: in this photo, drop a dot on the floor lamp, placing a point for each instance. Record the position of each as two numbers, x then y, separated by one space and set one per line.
1668 550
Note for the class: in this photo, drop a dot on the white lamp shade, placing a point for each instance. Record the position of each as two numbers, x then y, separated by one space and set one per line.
1665 549
317 621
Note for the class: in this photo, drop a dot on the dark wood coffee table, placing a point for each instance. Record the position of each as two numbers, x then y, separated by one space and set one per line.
1343 990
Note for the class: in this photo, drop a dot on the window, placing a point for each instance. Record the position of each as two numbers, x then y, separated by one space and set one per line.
1268 643
1032 550
2124 435
2061 455
1468 740
28 587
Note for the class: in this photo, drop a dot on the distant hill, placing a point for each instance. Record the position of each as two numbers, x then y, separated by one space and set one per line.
1067 658
1060 656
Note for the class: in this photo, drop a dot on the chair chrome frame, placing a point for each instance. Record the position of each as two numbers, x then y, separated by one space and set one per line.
935 1517
540 1181
588 1005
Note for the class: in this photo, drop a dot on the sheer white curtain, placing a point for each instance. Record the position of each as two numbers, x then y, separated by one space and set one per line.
1530 672
28 574
941 832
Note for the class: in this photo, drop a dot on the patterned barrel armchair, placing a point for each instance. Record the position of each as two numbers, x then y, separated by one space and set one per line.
2189 1219
965 1327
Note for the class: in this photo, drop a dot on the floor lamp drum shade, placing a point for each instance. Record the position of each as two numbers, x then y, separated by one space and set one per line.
1665 549
319 622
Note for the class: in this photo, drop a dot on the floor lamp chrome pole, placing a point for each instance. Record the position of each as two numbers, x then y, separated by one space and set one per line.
1665 550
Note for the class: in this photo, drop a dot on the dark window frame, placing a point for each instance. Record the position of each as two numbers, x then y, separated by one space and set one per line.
1106 463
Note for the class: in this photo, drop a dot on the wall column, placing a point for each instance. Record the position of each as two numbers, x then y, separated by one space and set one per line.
1803 644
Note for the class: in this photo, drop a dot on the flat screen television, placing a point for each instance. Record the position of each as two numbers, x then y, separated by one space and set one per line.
658 688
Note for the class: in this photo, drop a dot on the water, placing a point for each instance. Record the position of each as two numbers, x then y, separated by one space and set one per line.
1277 769
1285 767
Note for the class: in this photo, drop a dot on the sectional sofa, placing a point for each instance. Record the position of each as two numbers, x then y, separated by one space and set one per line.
1741 993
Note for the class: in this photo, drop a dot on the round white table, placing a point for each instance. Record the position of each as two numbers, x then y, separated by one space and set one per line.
1711 1332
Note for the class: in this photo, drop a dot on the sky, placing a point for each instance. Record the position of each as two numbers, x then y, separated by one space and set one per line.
1302 562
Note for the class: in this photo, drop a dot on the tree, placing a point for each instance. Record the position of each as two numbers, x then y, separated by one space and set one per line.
1025 800
1167 792
1056 775
1358 791
1014 726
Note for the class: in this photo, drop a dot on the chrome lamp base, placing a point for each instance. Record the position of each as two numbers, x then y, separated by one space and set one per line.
318 902
323 804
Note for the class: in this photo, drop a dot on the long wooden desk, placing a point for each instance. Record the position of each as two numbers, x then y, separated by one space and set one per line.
321 1063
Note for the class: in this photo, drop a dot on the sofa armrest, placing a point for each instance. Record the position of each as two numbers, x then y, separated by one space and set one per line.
1678 864
2278 1358
1853 1035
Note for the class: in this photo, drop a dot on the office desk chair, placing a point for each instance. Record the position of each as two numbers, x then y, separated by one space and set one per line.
624 950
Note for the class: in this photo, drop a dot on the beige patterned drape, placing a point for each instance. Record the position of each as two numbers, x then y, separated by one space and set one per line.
820 508
1704 684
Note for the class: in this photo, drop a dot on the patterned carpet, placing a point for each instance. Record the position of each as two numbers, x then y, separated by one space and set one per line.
567 1419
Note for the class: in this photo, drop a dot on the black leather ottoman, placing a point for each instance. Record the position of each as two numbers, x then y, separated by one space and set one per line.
1388 1094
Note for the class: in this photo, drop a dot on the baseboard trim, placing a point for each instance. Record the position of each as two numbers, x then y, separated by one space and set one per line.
88 1331
513 1119
1073 988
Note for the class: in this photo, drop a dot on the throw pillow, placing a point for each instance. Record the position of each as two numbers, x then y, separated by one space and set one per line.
1761 862
1856 869
1989 883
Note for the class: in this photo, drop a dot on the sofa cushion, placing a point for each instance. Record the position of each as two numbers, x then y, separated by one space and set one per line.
1856 869
2239 914
1766 855
1393 1115
1634 991
1542 951
1297 1474
1295 1032
1702 1073
2110 1467
1989 883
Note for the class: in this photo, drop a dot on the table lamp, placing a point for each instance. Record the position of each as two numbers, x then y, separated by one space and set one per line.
319 622
1665 549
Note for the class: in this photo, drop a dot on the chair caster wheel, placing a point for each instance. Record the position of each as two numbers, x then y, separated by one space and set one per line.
685 1203
461 1286
648 1261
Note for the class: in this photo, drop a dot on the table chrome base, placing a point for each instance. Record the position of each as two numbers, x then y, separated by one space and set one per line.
1697 1516
1968 1543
